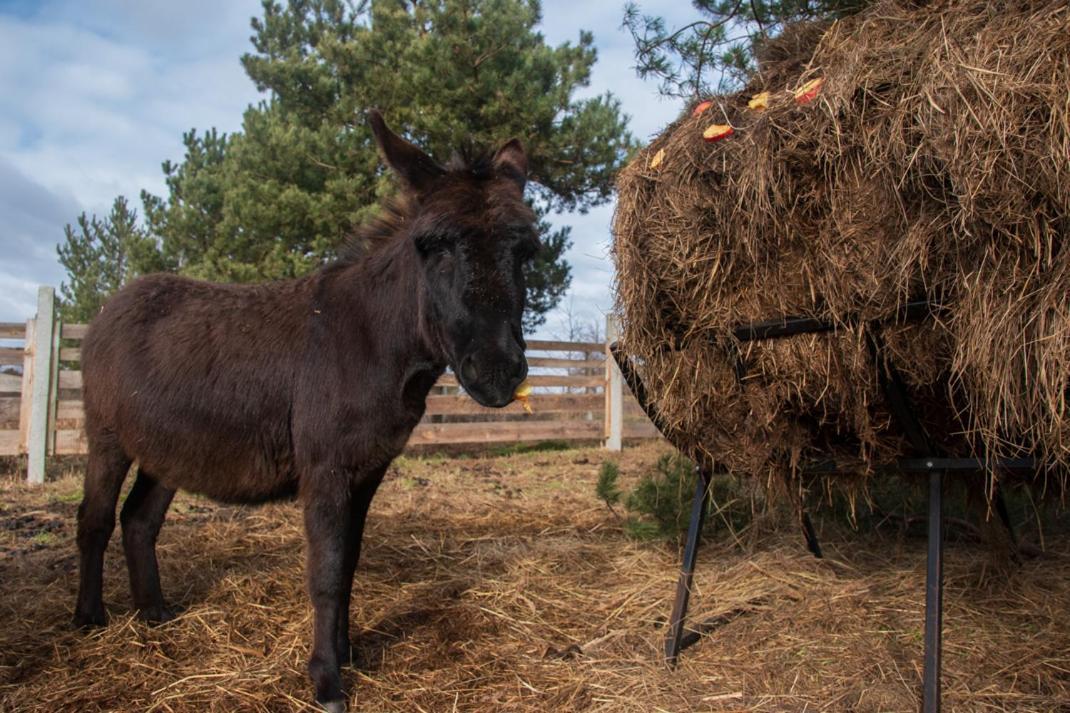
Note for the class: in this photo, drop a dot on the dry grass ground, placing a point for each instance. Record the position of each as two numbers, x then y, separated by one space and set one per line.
502 584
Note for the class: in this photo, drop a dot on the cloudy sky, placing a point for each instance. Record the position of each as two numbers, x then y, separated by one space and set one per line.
95 95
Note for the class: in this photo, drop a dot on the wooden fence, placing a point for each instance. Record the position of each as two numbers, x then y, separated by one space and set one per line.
578 395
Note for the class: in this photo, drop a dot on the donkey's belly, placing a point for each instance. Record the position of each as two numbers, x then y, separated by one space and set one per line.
237 463
261 491
223 472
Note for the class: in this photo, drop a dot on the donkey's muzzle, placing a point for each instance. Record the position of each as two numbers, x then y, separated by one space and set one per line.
492 376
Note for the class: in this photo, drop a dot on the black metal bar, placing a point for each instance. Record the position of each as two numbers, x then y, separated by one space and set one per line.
673 642
784 327
809 534
812 543
898 398
899 403
638 389
1004 514
790 326
1005 517
920 465
934 590
968 464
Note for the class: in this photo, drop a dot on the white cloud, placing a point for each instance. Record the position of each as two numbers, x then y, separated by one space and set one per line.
28 209
96 96
18 297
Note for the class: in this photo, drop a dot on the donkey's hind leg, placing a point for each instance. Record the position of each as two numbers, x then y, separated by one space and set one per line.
142 516
105 473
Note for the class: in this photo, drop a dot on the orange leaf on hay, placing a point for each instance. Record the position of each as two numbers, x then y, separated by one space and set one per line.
700 108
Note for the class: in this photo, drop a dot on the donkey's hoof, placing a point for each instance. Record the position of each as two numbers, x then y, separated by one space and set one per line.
156 614
333 706
89 620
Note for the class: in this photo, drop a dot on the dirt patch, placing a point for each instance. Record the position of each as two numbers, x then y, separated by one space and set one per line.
32 525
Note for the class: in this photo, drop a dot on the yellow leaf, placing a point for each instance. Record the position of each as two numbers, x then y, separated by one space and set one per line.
759 102
522 393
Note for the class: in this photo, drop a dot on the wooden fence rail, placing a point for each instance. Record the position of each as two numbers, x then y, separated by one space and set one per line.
578 395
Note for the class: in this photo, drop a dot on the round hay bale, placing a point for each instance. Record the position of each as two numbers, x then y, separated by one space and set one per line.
933 161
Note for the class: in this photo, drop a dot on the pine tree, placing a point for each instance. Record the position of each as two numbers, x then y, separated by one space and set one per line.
279 197
187 223
100 257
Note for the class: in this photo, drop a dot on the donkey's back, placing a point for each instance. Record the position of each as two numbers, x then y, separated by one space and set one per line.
194 380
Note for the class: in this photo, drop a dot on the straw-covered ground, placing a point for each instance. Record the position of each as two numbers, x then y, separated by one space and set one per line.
503 584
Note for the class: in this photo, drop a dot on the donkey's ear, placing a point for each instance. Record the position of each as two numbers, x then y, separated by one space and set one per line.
414 166
512 162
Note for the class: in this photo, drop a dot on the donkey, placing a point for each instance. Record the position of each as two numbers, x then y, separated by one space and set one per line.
306 387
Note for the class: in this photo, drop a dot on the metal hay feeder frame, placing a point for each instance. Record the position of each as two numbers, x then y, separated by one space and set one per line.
927 459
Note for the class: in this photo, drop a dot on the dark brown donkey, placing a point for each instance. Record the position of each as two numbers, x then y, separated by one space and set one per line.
247 393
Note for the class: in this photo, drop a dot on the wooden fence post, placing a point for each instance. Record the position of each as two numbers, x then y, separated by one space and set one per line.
614 392
41 384
26 397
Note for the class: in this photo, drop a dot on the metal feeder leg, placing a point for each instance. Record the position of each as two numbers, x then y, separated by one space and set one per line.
687 570
810 534
934 590
1005 516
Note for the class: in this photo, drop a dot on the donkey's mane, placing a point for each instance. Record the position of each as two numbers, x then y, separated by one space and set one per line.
380 230
472 160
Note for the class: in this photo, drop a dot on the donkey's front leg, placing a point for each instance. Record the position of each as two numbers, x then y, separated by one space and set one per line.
327 522
361 494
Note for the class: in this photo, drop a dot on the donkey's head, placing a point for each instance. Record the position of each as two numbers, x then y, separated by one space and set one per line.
473 234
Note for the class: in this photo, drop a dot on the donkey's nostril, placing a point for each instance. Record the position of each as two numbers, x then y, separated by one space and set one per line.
469 373
520 367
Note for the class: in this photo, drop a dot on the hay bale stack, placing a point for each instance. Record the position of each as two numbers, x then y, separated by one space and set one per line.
933 163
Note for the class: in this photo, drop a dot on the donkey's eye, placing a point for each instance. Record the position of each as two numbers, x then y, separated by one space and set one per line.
435 241
434 248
